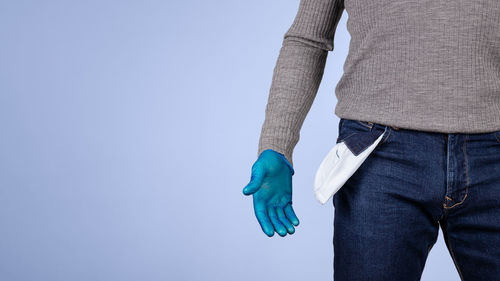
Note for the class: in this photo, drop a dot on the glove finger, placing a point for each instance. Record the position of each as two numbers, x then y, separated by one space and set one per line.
256 180
290 214
263 218
284 220
278 226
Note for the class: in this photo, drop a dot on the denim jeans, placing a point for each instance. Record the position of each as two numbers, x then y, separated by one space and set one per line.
388 213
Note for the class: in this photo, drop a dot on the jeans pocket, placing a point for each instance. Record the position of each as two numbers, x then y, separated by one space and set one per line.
360 134
349 127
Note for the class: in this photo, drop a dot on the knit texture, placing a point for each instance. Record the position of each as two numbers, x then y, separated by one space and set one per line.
424 65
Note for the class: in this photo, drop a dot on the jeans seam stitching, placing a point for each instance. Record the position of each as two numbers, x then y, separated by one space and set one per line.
466 174
453 257
388 134
364 123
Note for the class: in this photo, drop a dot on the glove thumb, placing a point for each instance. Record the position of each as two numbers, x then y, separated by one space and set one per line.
256 181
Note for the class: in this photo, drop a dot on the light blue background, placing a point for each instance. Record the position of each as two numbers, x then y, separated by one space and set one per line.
128 130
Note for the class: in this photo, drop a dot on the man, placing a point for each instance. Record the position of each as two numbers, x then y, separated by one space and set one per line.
428 74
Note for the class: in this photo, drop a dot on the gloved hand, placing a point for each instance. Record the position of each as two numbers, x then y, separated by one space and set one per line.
271 186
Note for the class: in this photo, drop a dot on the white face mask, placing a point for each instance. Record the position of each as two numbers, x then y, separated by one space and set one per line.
341 163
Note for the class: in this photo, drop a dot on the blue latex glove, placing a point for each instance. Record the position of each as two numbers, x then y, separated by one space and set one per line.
271 186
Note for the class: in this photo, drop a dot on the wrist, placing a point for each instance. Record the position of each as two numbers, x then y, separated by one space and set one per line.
292 171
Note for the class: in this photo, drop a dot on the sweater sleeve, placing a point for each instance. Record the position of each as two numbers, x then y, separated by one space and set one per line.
298 73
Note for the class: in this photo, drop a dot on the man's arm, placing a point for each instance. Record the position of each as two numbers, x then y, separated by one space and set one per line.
298 73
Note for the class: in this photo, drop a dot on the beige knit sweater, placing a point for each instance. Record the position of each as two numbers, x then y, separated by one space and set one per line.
424 65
